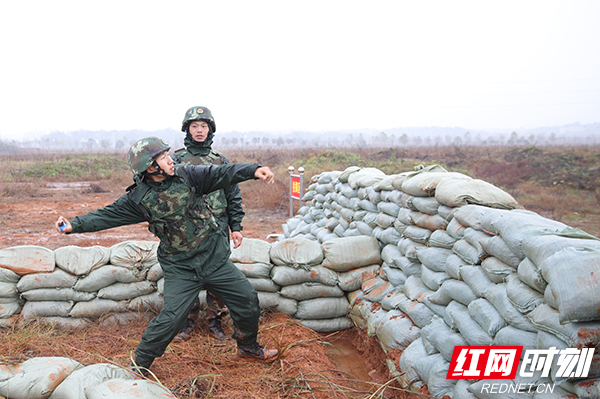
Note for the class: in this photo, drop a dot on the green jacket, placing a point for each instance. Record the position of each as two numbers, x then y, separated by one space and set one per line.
226 203
177 212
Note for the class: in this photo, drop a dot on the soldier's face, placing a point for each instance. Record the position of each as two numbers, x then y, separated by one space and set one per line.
165 162
199 131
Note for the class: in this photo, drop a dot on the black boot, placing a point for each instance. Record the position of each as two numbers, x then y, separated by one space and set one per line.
216 331
186 331
256 351
140 367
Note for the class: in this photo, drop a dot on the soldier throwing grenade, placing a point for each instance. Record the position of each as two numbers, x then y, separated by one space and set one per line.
193 251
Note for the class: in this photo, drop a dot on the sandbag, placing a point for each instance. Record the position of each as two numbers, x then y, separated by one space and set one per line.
459 192
8 276
263 284
439 334
410 355
349 253
396 332
328 325
573 275
96 308
55 279
496 295
36 378
27 259
120 388
58 294
423 183
252 250
574 334
139 256
434 258
255 270
529 274
476 279
365 177
352 280
278 303
453 290
521 296
34 309
437 370
427 205
80 261
512 336
74 385
472 332
322 308
105 276
122 291
304 291
286 275
538 248
8 290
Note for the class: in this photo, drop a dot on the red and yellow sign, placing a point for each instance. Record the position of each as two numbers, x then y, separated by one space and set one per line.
295 187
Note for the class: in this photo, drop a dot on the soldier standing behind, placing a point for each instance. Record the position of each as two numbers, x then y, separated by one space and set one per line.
226 206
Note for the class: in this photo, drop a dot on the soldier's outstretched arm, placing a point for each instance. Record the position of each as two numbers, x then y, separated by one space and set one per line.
212 178
264 173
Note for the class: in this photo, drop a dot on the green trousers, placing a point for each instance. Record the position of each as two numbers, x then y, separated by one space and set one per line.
227 283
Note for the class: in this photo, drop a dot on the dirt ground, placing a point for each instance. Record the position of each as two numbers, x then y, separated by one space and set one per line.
310 365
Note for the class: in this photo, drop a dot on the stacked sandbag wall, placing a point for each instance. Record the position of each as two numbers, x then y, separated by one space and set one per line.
462 265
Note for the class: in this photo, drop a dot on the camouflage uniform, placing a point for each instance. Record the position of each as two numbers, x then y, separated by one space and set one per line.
193 252
225 204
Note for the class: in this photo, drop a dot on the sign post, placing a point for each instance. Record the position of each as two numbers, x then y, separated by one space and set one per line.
296 186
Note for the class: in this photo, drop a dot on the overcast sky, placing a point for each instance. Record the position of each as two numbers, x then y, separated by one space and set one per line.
311 65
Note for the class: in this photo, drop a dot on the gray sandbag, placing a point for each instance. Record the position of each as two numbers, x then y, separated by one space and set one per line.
427 205
393 299
80 261
56 279
455 229
417 234
574 334
304 291
429 222
389 208
512 336
96 308
255 270
297 252
486 315
423 183
408 266
275 301
74 385
573 275
263 284
353 279
538 248
105 276
466 252
389 253
453 266
476 279
365 177
453 290
155 272
8 290
529 273
473 215
497 296
418 312
395 276
286 275
434 369
415 289
120 388
343 177
439 334
399 226
496 246
252 250
405 216
517 225
328 325
34 309
434 258
461 390
349 253
521 296
387 236
322 308
25 259
378 293
8 309
144 303
413 352
396 332
472 332
497 270
384 220
8 276
433 279
476 238
36 378
459 192
368 206
58 294
385 183
139 256
122 291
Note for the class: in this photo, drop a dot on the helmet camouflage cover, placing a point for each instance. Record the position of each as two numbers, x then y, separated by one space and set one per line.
144 151
197 114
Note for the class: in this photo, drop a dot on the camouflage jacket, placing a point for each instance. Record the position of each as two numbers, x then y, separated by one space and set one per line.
226 204
178 214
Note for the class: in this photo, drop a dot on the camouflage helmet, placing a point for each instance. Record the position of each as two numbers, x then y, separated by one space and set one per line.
144 151
198 114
